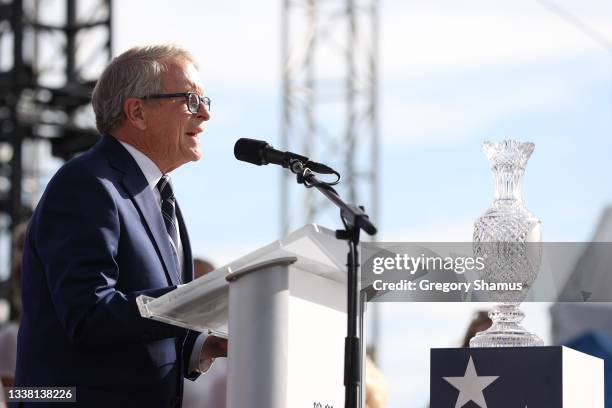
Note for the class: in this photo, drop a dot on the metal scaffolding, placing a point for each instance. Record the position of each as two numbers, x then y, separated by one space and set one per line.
51 53
329 68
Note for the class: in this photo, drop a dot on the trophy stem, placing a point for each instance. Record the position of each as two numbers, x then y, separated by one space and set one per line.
506 330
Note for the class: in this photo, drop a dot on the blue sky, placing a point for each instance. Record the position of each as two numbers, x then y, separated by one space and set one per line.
453 73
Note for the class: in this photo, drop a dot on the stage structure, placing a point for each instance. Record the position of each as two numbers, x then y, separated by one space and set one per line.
330 113
329 65
51 54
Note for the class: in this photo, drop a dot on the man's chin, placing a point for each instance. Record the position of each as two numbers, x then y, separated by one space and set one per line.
192 151
196 154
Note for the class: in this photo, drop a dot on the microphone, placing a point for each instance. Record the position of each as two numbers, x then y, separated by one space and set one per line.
259 152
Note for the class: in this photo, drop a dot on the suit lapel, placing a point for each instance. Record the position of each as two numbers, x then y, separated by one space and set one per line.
136 185
145 201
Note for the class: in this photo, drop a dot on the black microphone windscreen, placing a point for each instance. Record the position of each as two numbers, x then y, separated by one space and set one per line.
250 150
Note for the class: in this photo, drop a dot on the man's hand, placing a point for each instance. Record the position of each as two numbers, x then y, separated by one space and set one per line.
213 347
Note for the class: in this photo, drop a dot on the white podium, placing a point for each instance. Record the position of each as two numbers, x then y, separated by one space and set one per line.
283 308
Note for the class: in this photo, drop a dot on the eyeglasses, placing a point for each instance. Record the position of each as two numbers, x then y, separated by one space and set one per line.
193 100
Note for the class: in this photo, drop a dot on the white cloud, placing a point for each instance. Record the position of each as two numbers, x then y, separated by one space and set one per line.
449 115
441 230
238 45
245 46
448 35
237 42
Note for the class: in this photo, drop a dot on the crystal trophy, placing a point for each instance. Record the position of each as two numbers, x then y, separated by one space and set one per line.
508 237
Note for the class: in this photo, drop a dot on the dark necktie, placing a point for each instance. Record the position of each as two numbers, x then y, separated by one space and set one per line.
169 213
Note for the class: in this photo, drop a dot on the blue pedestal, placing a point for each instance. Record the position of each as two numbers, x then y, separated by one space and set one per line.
517 377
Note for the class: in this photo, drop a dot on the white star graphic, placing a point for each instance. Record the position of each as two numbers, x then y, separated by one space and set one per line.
470 386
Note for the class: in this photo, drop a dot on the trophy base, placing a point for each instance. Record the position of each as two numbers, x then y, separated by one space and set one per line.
506 330
507 337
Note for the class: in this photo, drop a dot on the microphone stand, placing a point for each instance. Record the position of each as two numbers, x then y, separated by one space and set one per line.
354 219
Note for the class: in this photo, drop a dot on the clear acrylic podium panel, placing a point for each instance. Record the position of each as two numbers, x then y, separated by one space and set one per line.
202 304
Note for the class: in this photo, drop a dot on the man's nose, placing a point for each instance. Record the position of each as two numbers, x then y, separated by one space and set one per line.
203 113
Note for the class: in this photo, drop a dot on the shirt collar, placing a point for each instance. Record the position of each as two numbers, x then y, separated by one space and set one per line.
147 166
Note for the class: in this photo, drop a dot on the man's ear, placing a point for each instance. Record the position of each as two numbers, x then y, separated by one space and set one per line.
134 111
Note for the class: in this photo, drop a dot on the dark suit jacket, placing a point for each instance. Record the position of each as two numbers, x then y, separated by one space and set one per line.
95 242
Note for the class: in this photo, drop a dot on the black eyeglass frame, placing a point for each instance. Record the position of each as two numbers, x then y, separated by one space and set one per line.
201 99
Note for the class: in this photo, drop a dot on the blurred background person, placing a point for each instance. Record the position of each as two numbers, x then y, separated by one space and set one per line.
377 390
201 267
8 331
480 322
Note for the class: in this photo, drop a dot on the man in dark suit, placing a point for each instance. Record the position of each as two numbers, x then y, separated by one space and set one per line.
107 230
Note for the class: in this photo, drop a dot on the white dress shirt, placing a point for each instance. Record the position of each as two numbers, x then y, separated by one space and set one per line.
153 175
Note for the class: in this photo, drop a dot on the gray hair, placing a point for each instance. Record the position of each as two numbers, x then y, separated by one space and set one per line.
134 74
